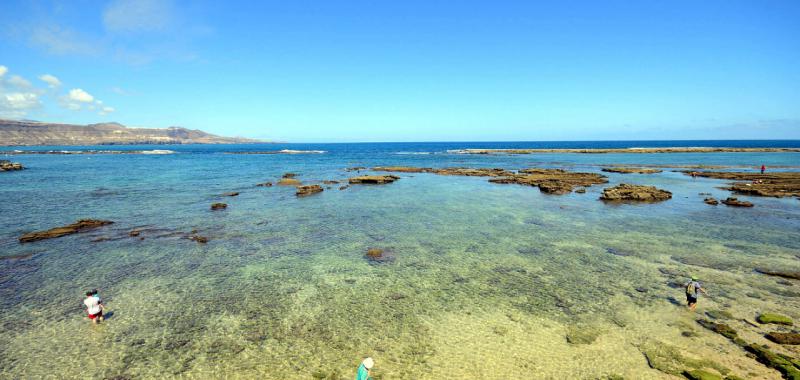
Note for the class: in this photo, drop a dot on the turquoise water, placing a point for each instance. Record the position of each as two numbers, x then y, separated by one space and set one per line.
489 280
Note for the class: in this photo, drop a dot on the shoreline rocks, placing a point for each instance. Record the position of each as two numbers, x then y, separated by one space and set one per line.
79 226
628 170
711 201
777 184
733 202
373 179
219 206
467 172
635 193
303 191
7 166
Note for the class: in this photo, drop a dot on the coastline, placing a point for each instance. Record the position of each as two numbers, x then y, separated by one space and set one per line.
631 150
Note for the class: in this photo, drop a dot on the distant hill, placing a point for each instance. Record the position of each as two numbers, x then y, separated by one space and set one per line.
13 132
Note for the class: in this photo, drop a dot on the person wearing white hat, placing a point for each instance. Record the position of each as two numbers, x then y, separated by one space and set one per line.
363 369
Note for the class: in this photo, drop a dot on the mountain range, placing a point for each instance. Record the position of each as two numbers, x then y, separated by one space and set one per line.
16 132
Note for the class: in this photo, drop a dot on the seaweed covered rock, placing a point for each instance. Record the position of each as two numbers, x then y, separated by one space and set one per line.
219 206
791 338
778 319
7 166
373 179
303 191
635 193
671 360
736 203
785 273
788 367
628 170
719 314
79 226
579 334
699 374
719 328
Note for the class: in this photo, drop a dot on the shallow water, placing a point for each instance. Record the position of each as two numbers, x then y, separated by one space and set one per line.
489 280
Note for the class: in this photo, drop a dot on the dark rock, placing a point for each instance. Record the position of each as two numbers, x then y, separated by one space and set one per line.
552 181
265 184
784 364
776 184
581 190
355 169
784 338
330 182
134 233
231 194
718 328
219 206
289 175
635 193
641 289
303 191
736 203
199 239
711 201
373 179
616 252
79 226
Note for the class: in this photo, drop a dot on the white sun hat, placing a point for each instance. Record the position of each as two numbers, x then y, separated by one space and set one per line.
368 363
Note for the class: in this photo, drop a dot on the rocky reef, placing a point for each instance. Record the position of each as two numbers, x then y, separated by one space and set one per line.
635 193
289 182
627 170
468 172
79 226
730 201
552 181
711 201
373 179
777 184
219 206
7 166
304 191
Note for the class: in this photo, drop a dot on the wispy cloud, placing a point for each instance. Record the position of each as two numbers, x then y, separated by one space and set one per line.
51 80
63 41
137 16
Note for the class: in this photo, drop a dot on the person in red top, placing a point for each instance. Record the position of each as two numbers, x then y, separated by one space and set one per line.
763 168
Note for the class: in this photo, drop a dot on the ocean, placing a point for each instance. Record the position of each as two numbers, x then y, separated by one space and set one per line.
488 281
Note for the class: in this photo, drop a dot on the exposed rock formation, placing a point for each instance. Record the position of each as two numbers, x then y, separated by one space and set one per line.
289 175
36 133
711 201
219 206
288 182
231 194
470 172
307 190
7 166
626 170
784 338
373 179
635 193
736 203
552 181
79 226
777 184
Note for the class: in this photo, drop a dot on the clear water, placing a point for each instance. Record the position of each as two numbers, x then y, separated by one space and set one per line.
487 283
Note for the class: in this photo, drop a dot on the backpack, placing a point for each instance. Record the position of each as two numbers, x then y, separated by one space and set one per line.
691 288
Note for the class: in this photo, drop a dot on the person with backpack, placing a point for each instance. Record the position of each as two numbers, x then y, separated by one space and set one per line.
692 287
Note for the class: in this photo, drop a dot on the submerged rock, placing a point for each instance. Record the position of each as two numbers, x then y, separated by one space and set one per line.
288 182
7 166
627 170
711 201
265 184
219 206
289 175
231 194
784 338
330 182
635 193
469 172
719 328
736 203
199 239
582 334
377 255
788 367
79 226
373 179
719 314
669 359
778 319
303 191
344 187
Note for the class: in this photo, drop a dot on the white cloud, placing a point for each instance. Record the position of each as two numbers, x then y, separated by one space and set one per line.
51 80
62 41
19 81
3 70
17 104
79 95
106 111
132 16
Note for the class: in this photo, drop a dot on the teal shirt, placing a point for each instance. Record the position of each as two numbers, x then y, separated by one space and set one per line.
362 373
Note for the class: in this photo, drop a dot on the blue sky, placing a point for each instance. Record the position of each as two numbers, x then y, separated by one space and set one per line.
409 70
